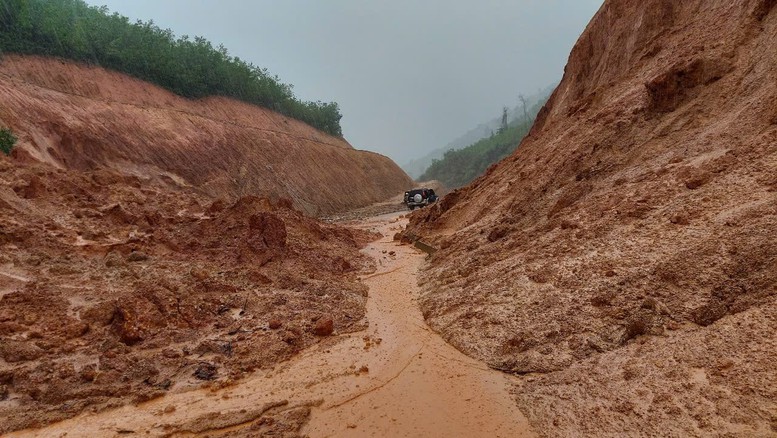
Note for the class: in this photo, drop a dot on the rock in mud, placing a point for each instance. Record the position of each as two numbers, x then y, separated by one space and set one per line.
324 327
680 219
497 233
118 215
709 313
206 371
36 188
113 260
137 256
270 228
696 180
99 315
16 351
88 373
127 326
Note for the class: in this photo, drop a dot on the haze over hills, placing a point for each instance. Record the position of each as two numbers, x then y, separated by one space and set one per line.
416 167
459 167
624 258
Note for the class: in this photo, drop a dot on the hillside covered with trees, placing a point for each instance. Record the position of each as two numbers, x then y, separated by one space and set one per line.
416 167
192 68
460 166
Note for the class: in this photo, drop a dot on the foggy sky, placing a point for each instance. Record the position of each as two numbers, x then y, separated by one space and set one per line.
409 75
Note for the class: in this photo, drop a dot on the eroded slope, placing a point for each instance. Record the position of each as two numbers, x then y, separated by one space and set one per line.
626 255
87 118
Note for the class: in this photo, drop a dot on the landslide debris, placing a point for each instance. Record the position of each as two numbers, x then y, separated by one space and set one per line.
116 290
82 117
624 258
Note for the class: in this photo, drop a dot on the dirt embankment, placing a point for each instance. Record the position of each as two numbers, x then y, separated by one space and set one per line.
86 118
115 290
624 258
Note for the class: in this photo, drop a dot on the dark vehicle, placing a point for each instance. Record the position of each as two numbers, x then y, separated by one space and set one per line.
419 198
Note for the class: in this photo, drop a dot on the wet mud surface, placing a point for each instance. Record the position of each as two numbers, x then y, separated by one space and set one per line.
395 378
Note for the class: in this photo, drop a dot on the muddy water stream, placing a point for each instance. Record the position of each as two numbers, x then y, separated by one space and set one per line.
395 379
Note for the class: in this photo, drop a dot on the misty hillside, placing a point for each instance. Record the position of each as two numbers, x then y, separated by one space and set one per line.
415 168
485 129
458 167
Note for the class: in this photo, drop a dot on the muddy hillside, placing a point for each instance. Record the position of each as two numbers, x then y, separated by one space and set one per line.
86 118
624 258
114 290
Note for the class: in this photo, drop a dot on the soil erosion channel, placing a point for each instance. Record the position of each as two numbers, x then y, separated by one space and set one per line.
396 378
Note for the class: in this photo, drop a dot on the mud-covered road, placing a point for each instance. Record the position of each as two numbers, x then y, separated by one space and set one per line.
397 378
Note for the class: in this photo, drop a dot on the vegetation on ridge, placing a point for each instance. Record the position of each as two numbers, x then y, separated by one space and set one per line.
460 166
189 67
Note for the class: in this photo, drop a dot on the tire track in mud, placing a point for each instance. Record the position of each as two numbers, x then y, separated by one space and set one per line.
397 378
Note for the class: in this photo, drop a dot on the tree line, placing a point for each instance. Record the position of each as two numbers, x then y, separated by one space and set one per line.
190 67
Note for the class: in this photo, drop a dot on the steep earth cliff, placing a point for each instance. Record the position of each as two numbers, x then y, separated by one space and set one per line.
86 118
624 258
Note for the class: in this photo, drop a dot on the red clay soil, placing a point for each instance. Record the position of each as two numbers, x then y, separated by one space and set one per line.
624 258
87 118
114 290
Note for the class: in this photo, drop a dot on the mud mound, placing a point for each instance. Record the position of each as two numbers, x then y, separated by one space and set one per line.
88 118
625 254
115 290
